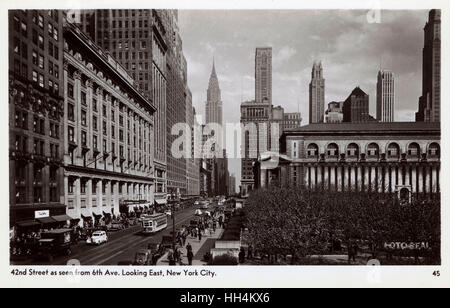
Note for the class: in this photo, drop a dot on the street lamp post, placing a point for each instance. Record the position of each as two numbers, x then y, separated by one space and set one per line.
173 223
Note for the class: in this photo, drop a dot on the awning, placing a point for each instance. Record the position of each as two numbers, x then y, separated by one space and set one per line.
62 218
97 215
27 223
86 217
46 220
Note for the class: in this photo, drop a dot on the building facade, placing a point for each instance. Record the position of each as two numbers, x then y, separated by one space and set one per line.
263 75
192 163
176 103
385 96
232 185
316 94
334 112
430 101
108 133
255 120
138 40
356 107
35 101
379 157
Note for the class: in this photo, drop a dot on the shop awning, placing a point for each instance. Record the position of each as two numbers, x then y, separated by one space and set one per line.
97 215
86 217
46 220
27 223
61 218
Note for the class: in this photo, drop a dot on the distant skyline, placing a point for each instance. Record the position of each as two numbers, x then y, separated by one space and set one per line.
351 50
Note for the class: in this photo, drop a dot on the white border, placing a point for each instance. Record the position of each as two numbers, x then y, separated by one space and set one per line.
239 276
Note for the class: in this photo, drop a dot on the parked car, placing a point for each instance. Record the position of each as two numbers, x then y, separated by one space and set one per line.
168 212
97 238
198 212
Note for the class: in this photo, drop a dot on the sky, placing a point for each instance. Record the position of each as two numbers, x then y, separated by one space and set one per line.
351 47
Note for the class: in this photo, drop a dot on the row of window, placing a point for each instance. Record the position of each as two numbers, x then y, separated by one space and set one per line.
123 34
94 187
393 150
21 121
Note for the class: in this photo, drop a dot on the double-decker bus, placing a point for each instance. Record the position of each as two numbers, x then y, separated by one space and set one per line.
154 223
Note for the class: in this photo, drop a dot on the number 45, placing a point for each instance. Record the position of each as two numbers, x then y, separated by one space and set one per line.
437 273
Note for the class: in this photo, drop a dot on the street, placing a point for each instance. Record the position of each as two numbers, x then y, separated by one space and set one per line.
121 245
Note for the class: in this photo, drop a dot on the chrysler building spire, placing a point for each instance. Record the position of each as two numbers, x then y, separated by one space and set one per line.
213 101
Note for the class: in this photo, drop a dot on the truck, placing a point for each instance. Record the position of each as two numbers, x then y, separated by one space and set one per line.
53 243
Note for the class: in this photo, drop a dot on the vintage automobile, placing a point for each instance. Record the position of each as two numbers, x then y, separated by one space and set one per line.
166 242
116 226
143 257
53 243
97 238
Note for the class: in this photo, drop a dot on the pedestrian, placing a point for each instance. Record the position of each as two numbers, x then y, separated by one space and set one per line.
190 256
242 255
355 251
199 236
250 252
350 251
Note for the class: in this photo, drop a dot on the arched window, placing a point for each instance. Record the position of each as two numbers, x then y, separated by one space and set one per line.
332 150
413 150
373 150
434 150
312 150
352 150
393 150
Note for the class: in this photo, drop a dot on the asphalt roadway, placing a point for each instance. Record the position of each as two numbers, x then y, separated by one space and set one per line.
121 246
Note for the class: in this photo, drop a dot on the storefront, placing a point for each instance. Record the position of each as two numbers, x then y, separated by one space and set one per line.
33 219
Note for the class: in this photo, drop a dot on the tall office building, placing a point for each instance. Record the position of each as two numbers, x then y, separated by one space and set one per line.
213 100
36 133
176 103
356 107
192 163
258 114
430 101
385 96
139 41
316 94
148 44
263 75
108 139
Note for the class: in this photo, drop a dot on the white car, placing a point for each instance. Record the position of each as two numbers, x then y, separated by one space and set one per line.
97 238
198 212
168 212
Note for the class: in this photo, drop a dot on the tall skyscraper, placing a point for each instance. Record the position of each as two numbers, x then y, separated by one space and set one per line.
213 100
263 75
316 94
430 101
385 96
140 41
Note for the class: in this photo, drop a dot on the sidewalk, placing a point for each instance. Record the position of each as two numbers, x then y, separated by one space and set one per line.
199 248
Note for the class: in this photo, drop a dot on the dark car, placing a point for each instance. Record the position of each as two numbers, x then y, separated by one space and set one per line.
116 226
53 243
157 251
143 257
166 242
